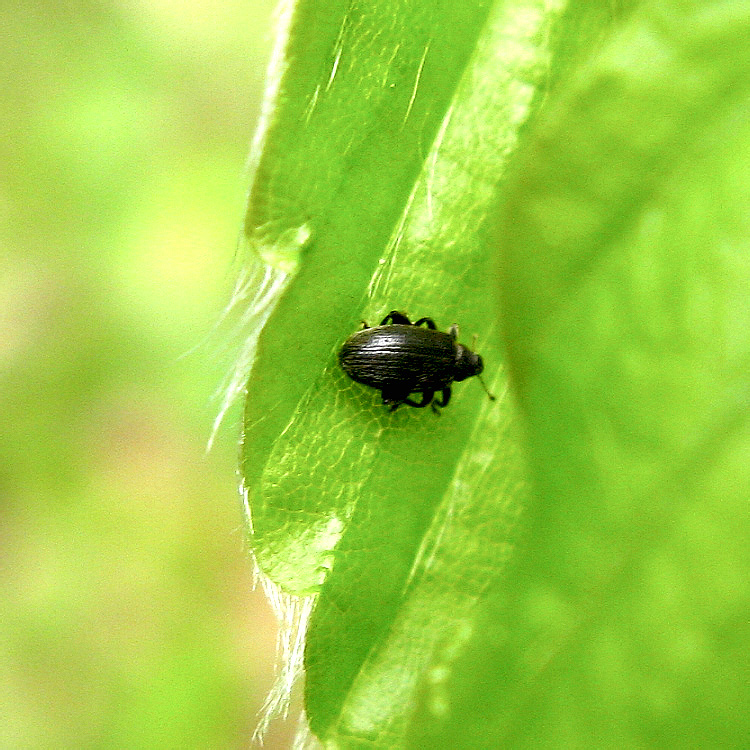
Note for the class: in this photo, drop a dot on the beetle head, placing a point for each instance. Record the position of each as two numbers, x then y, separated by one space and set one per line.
467 363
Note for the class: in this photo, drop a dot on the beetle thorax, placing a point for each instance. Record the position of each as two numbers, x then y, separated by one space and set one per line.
467 363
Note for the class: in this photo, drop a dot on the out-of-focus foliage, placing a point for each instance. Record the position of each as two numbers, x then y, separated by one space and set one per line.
127 618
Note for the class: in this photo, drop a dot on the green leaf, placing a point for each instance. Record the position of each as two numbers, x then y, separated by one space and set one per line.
376 187
626 285
363 94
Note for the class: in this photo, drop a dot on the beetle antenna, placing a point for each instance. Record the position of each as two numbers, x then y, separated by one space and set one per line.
486 390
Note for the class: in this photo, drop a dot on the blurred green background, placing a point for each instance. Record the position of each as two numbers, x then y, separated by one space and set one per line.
128 615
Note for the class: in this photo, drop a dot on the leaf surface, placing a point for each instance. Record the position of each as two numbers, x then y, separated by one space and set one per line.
625 280
382 163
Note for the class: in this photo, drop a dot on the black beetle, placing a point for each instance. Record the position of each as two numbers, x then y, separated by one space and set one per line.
399 358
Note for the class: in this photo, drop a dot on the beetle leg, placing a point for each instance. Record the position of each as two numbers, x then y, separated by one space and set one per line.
445 397
394 316
365 324
426 400
453 331
394 399
429 322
